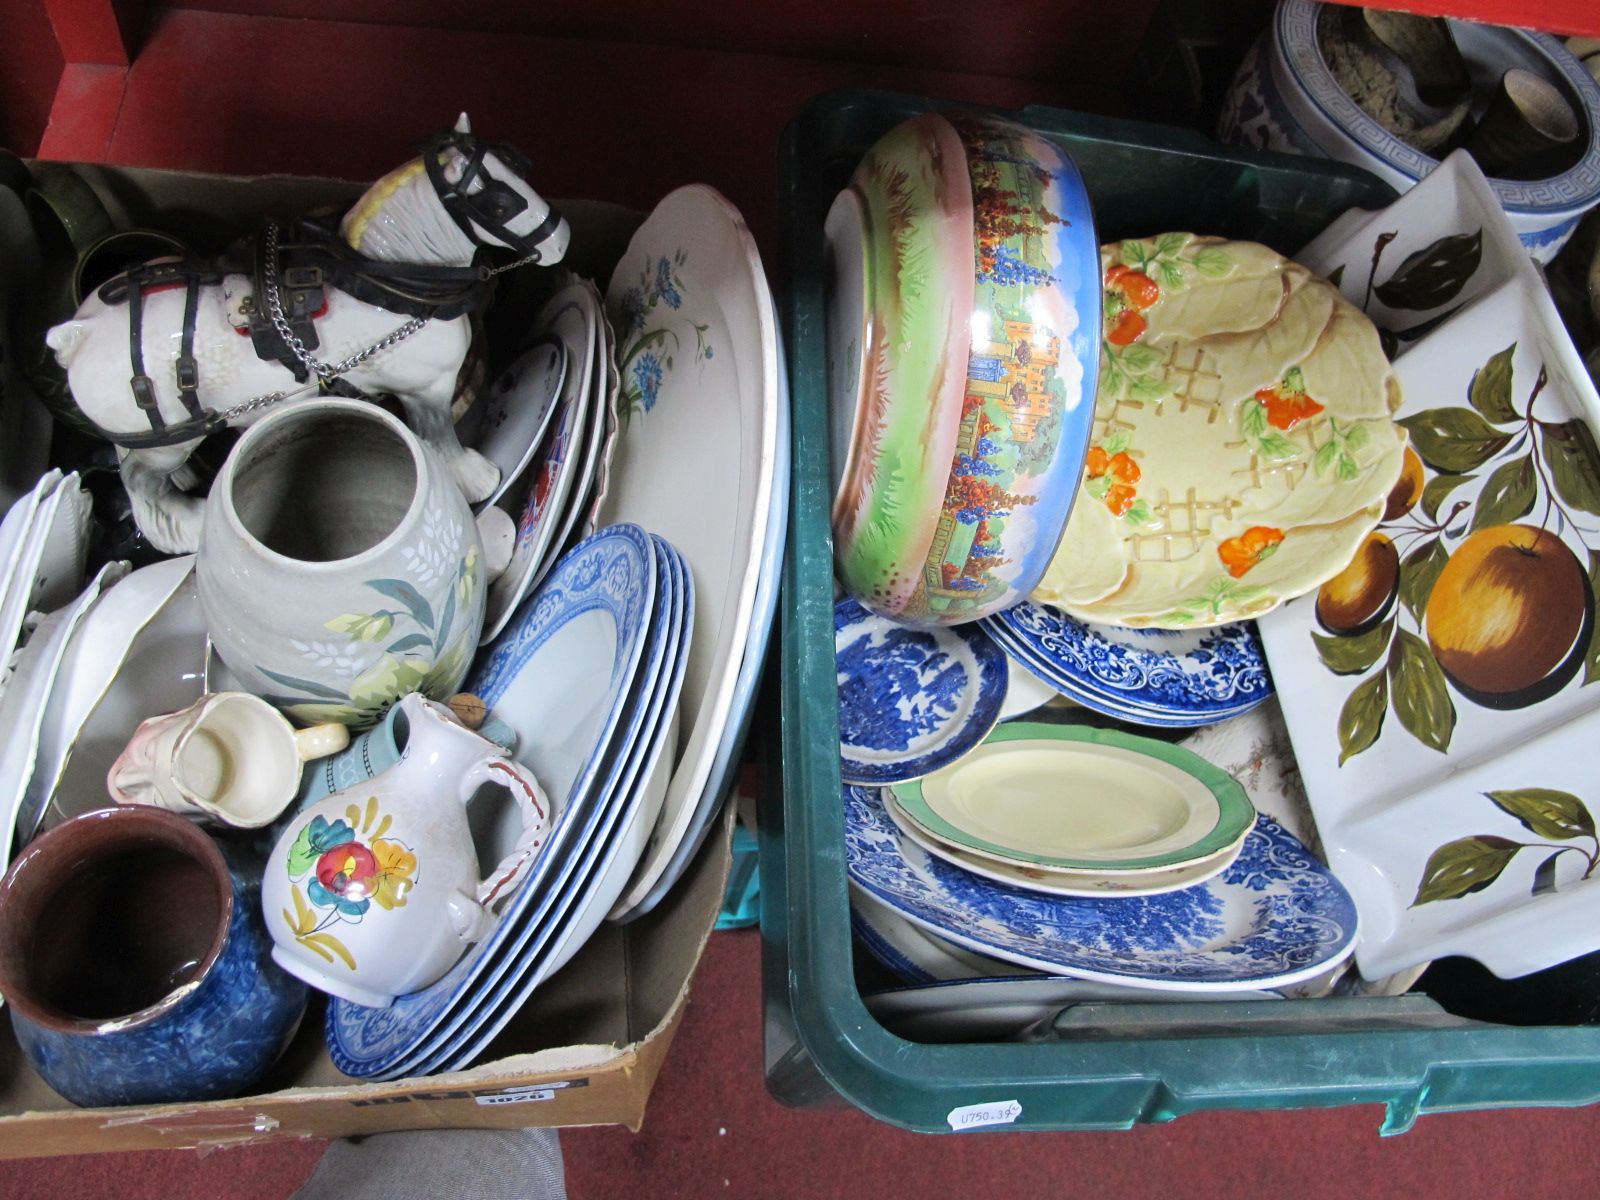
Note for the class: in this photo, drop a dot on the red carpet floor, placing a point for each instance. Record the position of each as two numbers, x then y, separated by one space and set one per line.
712 1130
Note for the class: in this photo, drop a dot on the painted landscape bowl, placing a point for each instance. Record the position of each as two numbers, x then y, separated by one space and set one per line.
1285 97
963 323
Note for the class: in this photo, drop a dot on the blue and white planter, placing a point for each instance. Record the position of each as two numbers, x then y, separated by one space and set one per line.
1285 97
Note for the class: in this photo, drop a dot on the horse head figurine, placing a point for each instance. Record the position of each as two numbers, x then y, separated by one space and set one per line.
172 351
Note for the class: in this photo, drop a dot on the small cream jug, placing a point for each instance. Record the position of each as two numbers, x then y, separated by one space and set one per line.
374 891
229 757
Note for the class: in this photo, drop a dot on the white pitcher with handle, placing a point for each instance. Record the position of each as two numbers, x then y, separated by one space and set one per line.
375 891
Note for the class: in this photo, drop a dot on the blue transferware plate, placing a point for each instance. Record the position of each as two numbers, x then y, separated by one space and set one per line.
558 675
1276 917
1150 676
911 700
632 803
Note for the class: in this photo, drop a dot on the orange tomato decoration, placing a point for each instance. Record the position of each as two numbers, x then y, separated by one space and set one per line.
1123 467
1128 328
1287 403
1096 462
1119 499
1254 545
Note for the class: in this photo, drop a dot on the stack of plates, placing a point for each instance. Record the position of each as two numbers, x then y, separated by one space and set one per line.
44 541
1077 811
549 423
698 461
988 861
1156 677
588 673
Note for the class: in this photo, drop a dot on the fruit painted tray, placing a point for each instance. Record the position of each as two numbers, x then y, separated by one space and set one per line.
1442 710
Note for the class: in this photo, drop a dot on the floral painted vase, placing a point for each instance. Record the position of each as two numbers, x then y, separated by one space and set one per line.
374 891
339 566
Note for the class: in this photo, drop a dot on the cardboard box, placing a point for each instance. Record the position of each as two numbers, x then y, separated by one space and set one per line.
586 1048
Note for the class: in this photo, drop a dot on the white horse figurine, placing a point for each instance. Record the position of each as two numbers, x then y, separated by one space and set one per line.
401 219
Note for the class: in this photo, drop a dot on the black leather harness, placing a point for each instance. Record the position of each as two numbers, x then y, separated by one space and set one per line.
312 257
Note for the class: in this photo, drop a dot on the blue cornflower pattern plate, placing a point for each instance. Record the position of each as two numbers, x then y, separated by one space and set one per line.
559 676
911 700
1148 676
1275 917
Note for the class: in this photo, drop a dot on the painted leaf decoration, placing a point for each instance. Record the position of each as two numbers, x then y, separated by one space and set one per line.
1117 442
1253 418
1437 489
1434 275
1353 655
1507 494
1418 691
310 686
1490 390
1171 243
1327 455
1139 358
411 641
1147 389
1419 571
1544 879
1413 333
1454 439
1464 866
310 941
1569 451
1361 718
1212 263
1546 812
1591 659
398 589
302 856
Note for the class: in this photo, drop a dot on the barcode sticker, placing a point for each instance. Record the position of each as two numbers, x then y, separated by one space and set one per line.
976 1116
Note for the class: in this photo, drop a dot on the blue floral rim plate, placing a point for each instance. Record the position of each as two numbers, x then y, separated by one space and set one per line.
613 573
1276 917
553 934
1160 677
911 700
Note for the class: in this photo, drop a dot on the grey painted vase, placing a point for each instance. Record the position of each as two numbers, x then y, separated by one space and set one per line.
339 565
135 962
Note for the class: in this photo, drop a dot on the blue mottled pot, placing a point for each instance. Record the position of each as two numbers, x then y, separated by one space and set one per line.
136 964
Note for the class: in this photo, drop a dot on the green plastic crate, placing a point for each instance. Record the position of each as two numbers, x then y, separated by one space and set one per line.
1134 1062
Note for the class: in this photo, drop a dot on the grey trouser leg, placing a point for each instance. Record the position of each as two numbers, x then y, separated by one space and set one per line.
480 1164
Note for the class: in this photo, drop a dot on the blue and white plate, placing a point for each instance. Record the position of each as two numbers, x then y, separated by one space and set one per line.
1148 676
911 700
559 676
634 794
1275 917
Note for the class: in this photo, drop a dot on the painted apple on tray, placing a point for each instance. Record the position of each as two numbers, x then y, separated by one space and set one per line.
1444 714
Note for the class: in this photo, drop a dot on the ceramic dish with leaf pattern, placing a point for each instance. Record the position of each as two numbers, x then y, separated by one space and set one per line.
1243 440
1443 715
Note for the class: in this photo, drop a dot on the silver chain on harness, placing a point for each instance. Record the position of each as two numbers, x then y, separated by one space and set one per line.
324 371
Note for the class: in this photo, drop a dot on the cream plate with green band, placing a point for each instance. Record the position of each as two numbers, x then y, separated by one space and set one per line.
1074 797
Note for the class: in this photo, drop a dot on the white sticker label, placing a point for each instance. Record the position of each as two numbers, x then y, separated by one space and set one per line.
517 1096
976 1116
